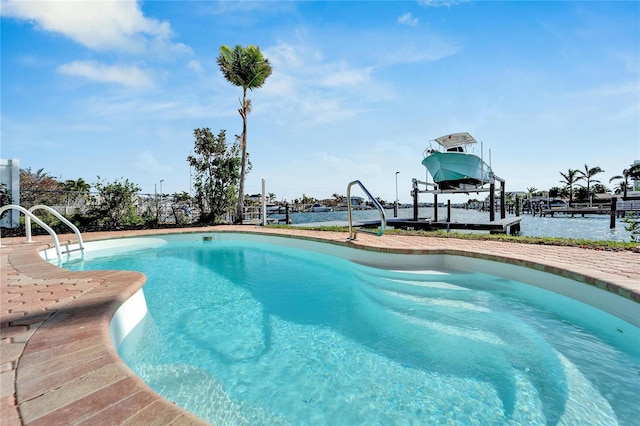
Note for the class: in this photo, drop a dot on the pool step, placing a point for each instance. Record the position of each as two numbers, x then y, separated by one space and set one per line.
459 333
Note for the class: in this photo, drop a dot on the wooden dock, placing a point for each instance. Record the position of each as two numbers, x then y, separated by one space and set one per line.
576 211
582 211
509 225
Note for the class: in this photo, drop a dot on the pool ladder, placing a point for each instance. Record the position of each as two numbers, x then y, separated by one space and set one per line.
383 219
30 216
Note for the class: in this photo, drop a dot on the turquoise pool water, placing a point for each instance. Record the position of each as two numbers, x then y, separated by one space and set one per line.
249 333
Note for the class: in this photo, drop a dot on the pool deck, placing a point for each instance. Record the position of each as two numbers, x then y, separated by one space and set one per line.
57 363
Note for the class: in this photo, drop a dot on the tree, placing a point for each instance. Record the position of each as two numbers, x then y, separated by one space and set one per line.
115 204
587 175
5 197
531 191
76 185
216 165
632 172
78 189
246 68
307 200
570 178
581 193
599 188
339 198
39 188
181 207
556 191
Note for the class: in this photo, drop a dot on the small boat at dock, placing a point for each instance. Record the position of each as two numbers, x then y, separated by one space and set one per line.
317 207
453 167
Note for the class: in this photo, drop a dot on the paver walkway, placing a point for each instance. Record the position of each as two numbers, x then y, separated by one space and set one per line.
57 363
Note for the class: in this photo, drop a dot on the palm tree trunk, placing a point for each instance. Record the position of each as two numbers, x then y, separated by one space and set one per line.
240 209
243 147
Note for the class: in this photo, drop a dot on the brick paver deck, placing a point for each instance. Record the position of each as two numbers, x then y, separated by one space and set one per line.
57 363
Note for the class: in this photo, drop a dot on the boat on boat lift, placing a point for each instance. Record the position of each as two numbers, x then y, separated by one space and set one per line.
453 167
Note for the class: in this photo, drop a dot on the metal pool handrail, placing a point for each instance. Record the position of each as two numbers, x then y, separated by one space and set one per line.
383 218
61 218
28 217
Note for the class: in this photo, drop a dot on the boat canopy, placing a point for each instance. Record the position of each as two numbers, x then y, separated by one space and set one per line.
455 140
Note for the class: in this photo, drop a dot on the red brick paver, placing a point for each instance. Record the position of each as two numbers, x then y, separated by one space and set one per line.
57 363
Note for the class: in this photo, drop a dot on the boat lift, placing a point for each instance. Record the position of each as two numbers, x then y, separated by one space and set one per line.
463 190
501 226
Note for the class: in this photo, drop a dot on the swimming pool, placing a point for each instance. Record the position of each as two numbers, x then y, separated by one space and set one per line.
256 330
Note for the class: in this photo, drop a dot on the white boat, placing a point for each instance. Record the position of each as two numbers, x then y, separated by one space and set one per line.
554 203
452 167
317 207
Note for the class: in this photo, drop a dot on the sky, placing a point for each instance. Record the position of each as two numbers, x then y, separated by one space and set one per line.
114 89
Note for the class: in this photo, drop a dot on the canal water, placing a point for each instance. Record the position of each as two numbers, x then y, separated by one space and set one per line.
591 227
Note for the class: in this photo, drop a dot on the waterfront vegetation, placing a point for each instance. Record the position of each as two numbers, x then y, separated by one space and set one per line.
118 205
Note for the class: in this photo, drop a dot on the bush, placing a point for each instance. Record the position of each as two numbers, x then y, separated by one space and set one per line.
114 205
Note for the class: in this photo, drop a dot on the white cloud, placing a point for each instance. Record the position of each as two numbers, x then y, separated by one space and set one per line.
408 19
303 67
128 76
147 162
316 91
310 89
195 65
346 77
441 3
99 25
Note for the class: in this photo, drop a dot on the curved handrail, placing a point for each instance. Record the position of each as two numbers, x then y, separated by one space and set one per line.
60 217
30 216
383 218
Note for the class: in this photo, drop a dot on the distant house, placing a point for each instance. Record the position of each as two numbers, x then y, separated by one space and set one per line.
357 201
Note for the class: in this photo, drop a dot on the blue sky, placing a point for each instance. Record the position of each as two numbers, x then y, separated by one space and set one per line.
359 88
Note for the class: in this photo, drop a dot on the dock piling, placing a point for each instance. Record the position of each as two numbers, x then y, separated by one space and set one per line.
612 217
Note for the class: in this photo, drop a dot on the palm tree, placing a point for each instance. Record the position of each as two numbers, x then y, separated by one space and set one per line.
570 178
632 172
587 175
76 185
531 191
78 189
599 188
246 68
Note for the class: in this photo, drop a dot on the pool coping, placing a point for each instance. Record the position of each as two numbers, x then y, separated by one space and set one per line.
57 360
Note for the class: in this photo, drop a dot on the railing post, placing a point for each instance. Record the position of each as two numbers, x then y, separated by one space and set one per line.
612 218
415 201
435 207
503 201
286 214
27 227
492 202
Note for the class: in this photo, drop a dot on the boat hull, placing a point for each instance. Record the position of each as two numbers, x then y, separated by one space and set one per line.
452 170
